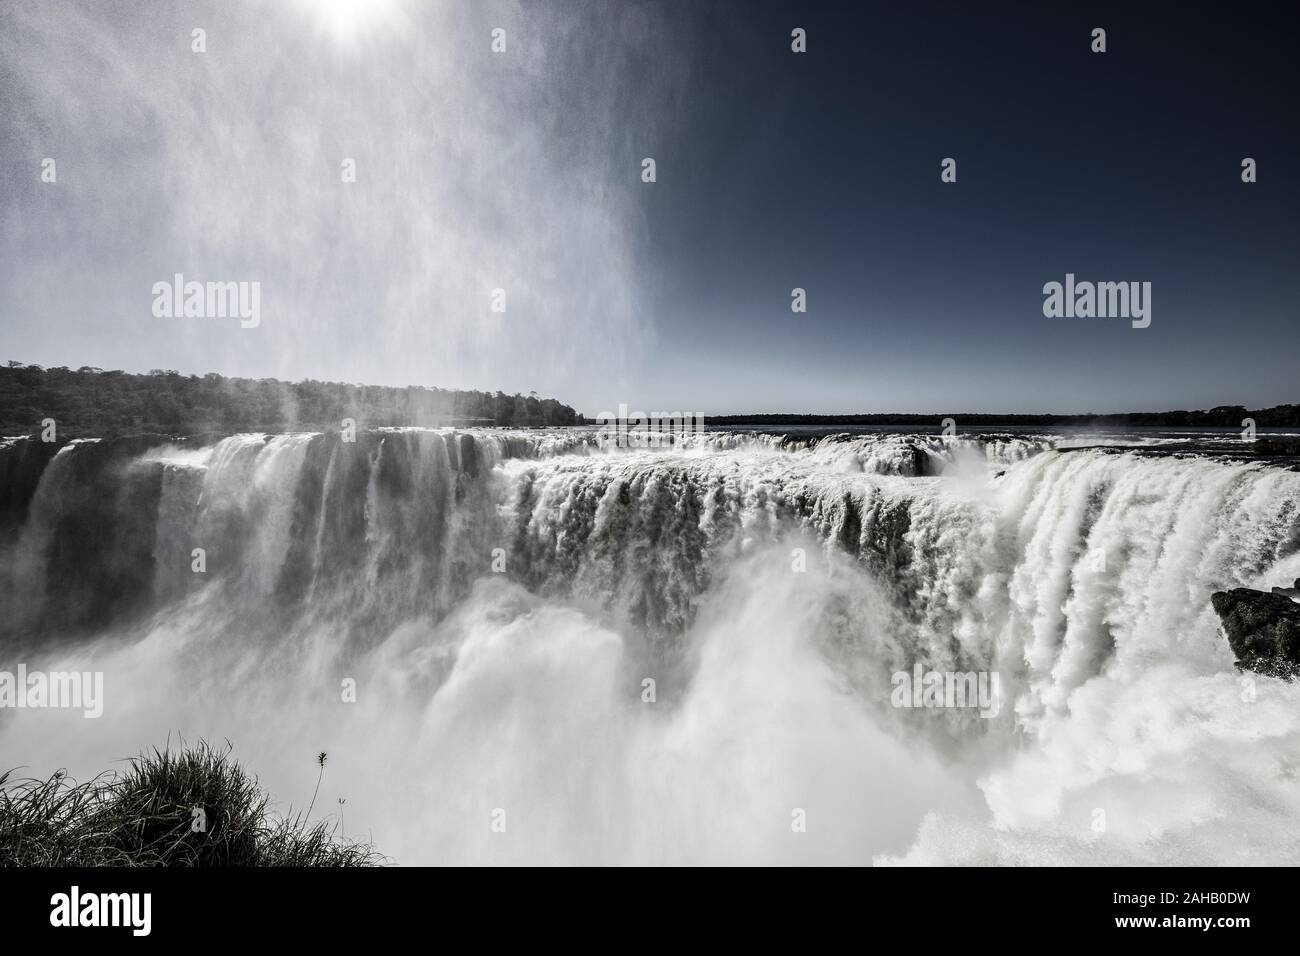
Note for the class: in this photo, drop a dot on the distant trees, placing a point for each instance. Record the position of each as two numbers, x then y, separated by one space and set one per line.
1221 416
93 402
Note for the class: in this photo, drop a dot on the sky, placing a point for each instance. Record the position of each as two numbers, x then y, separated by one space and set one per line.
521 171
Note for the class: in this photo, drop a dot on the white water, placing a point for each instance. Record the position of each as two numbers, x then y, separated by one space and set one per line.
523 690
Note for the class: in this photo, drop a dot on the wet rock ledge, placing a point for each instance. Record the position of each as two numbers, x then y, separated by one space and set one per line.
1263 629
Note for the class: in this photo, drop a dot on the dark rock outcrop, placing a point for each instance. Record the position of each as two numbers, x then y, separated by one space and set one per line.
1263 630
1277 445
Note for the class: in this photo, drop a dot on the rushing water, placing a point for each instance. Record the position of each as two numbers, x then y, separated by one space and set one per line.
501 598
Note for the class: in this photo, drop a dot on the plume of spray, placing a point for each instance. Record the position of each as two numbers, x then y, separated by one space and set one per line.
474 171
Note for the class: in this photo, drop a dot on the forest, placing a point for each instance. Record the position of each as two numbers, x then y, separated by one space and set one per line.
1221 416
92 402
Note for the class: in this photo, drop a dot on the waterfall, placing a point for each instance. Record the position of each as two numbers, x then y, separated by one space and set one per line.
500 599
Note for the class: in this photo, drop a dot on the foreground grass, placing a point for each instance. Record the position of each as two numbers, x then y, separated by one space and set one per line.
146 816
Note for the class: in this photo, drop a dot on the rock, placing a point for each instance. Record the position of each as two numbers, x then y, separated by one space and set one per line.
1286 445
1292 592
1263 630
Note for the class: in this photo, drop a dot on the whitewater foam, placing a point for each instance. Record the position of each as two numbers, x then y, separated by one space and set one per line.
522 691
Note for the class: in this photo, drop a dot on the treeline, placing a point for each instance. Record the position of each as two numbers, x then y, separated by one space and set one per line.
92 402
1221 416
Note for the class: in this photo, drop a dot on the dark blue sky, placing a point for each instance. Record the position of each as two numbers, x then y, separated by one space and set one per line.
519 170
822 171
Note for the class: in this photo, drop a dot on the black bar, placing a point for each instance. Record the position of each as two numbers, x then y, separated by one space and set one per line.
1038 907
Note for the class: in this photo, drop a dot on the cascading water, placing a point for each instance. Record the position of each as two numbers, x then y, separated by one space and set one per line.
501 600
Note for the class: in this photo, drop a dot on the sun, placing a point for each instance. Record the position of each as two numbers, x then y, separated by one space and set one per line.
343 17
347 21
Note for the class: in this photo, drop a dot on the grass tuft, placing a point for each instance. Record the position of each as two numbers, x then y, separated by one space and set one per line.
146 816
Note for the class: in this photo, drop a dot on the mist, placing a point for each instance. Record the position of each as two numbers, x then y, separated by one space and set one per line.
474 171
679 656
